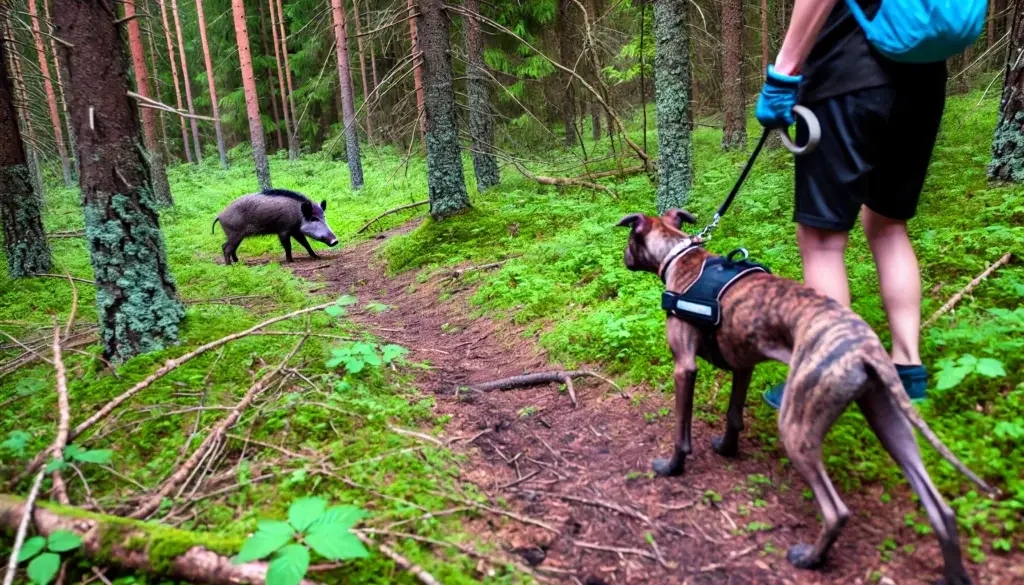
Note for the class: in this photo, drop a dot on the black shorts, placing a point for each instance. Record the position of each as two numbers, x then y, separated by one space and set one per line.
875 147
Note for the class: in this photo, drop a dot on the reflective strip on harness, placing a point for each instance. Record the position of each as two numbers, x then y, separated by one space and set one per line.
699 303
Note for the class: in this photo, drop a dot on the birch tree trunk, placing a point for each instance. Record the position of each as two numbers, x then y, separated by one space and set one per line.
672 87
213 86
137 300
355 165
25 244
362 71
446 183
1008 144
280 79
734 134
51 97
161 187
481 122
252 103
174 78
187 82
294 148
417 68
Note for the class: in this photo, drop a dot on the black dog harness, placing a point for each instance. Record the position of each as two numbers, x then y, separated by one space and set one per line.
699 303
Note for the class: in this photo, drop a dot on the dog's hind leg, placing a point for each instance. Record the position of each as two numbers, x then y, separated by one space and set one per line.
728 445
897 436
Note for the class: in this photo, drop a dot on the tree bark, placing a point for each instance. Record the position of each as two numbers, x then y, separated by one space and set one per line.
186 80
174 77
294 148
672 87
137 300
1008 144
355 165
481 121
363 71
213 86
252 103
59 65
417 74
21 206
446 183
161 187
156 88
280 80
26 117
734 134
764 36
51 96
567 44
595 121
373 55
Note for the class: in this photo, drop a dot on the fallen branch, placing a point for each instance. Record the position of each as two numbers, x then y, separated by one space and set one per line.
538 378
62 235
60 489
417 571
558 181
146 102
952 302
732 557
462 271
610 506
74 305
65 277
389 212
626 172
523 519
615 549
22 530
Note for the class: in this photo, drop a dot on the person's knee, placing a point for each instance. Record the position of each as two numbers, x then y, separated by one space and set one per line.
878 227
814 240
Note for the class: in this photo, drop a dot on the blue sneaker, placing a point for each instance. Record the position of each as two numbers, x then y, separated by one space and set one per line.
915 381
773 396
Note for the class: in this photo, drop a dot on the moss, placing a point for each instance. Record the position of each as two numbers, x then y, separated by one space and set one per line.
672 85
25 243
1008 149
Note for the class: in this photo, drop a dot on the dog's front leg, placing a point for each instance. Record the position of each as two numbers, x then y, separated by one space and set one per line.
682 338
728 445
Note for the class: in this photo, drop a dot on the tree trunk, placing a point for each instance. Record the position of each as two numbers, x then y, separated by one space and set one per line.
59 65
213 87
990 28
280 76
672 86
355 165
445 181
174 77
373 55
363 71
252 103
186 80
567 55
137 300
481 122
417 74
21 206
1008 145
734 134
764 36
161 187
51 97
595 121
294 149
26 117
156 88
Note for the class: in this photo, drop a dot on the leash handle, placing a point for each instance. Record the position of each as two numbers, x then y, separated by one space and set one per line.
813 132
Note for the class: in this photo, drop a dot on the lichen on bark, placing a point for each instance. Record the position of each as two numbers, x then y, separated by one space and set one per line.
481 123
672 86
1008 143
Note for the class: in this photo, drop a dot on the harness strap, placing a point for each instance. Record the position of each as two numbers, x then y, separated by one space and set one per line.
676 252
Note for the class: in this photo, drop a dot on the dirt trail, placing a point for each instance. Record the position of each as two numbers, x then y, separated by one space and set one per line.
583 471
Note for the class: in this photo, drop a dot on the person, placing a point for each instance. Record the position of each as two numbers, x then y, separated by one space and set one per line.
879 121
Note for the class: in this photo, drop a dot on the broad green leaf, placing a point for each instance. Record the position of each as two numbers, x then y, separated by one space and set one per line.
72 451
334 362
990 368
344 516
334 311
289 566
100 456
950 377
29 386
16 442
392 351
275 527
304 511
31 548
967 360
355 366
334 542
54 465
63 541
43 568
372 358
261 544
346 300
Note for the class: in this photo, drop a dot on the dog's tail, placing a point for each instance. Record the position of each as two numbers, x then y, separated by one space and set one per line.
886 376
214 226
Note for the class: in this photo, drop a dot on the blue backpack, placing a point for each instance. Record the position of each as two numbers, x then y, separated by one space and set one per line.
922 31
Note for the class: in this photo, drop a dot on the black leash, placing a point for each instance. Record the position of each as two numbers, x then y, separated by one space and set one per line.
706 232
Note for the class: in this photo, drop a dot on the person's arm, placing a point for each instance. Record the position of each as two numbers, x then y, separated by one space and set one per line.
805 24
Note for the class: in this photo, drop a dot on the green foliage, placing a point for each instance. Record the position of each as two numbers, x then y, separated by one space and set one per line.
16 442
950 373
44 565
76 453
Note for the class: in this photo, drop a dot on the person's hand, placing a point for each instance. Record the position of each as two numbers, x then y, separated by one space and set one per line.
778 96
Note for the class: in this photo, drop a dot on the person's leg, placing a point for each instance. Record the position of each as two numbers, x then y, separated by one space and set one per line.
823 253
900 281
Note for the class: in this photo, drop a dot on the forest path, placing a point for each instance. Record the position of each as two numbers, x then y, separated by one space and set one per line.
584 471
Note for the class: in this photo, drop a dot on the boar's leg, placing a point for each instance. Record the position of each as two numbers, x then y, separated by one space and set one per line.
230 247
286 242
301 238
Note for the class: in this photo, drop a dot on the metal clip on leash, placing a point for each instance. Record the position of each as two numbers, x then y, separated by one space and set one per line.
813 138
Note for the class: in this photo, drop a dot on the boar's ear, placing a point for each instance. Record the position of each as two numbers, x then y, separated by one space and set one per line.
323 205
676 217
307 209
636 221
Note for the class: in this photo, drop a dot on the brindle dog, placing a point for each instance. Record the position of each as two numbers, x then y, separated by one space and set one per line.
834 359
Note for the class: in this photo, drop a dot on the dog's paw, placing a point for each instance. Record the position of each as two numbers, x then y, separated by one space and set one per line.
668 467
959 580
724 448
802 556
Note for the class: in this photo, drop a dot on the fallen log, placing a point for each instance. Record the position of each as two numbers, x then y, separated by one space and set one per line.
538 378
952 302
144 547
389 212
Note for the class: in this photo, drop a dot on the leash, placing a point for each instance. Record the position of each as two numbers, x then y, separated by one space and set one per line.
813 137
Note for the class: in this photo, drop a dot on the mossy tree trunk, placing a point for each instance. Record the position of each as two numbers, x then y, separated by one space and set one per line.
734 134
481 121
137 300
672 88
567 54
20 205
252 104
445 180
1008 145
348 108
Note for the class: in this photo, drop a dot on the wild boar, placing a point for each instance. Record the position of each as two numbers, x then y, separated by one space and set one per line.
276 211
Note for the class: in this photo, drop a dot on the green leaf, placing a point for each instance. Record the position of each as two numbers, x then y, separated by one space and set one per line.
346 300
275 527
72 451
334 542
43 568
334 311
63 541
16 442
344 516
261 544
31 548
29 386
990 368
304 512
392 351
289 566
967 360
54 465
355 366
99 456
950 377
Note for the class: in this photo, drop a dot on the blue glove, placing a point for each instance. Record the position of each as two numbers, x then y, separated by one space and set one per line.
778 96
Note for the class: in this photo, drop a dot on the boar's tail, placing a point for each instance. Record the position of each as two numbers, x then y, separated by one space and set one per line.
214 225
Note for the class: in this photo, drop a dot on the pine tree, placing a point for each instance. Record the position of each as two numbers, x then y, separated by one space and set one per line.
417 72
252 100
672 87
567 55
51 96
363 71
26 117
25 242
1008 145
213 87
186 81
174 78
734 134
59 67
285 119
294 149
138 306
355 165
445 180
481 124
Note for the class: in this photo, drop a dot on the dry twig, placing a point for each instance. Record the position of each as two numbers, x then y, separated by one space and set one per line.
19 537
952 302
389 212
732 557
59 487
417 571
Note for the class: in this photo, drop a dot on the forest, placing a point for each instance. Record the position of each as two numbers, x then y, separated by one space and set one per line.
456 378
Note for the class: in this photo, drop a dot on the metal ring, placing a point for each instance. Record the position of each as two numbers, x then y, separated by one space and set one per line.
813 132
742 251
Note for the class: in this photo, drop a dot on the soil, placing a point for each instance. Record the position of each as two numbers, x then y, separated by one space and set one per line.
584 472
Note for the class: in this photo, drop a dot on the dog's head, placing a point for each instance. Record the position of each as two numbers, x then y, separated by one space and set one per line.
652 238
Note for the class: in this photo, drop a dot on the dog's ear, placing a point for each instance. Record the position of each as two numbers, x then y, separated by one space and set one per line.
635 221
676 218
